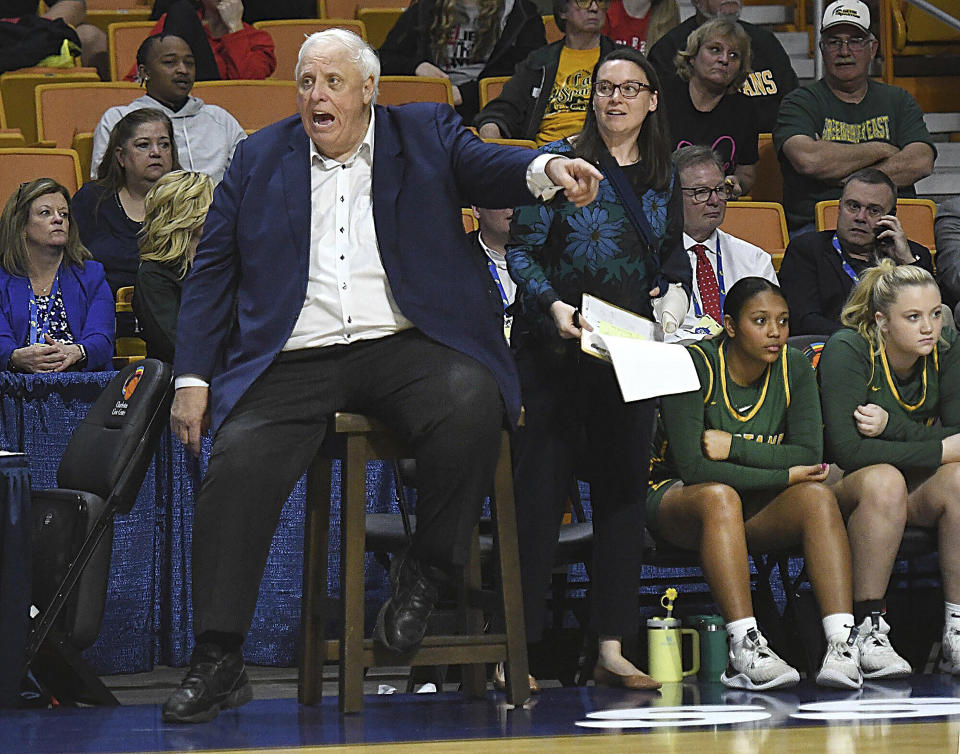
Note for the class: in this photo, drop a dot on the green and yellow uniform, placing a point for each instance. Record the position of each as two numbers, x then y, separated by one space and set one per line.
854 373
775 423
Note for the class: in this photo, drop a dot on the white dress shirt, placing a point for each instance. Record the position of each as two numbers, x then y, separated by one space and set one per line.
740 259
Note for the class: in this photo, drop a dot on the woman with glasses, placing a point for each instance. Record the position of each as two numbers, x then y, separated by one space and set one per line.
625 247
739 466
464 41
56 311
109 211
705 104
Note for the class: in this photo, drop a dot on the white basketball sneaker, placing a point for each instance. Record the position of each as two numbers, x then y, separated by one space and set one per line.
841 665
950 651
756 667
878 659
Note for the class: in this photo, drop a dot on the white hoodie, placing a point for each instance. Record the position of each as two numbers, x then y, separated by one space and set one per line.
206 135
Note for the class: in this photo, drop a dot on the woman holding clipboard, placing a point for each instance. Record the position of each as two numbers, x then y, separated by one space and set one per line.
625 247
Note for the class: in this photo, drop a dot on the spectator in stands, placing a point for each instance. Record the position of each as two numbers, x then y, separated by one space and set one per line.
891 383
464 42
640 23
93 42
176 208
224 47
206 135
528 108
718 260
109 212
946 230
846 121
820 269
557 253
56 311
704 102
491 239
772 75
742 468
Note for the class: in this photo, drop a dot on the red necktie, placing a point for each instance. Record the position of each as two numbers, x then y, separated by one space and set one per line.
707 284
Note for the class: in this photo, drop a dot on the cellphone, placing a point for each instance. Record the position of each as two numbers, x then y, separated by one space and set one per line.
883 243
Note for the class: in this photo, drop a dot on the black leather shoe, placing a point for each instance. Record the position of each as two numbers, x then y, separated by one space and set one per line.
402 620
216 680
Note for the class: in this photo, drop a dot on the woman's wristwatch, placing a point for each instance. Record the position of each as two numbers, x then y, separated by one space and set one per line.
83 355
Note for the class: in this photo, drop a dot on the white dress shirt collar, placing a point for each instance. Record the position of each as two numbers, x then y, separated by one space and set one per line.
364 150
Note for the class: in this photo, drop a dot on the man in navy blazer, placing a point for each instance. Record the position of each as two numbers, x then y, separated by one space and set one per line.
334 274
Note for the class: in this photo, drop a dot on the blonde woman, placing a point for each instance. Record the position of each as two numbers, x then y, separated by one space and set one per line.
464 41
890 390
175 210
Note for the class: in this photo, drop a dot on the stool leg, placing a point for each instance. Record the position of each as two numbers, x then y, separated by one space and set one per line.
503 510
315 544
353 511
474 675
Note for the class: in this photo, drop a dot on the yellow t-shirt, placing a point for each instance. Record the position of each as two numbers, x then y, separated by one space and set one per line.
567 106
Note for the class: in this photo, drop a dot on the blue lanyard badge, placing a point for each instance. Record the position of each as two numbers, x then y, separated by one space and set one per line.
720 284
844 263
40 327
496 279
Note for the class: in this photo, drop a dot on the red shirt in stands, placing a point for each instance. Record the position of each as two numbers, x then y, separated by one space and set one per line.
625 29
244 54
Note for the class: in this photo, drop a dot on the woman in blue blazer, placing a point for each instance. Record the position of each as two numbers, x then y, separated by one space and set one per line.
56 310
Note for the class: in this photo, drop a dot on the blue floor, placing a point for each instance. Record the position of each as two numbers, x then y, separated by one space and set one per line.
396 718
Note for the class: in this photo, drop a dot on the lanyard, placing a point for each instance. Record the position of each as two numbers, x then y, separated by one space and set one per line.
38 327
491 265
720 283
844 263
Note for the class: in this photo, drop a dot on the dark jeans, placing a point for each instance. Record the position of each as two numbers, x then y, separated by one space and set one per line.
576 424
444 405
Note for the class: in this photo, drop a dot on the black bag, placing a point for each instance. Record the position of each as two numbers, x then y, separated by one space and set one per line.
31 39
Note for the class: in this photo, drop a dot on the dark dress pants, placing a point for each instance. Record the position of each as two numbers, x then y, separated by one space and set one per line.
577 424
446 406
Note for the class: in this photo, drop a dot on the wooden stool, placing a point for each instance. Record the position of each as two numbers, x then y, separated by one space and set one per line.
368 440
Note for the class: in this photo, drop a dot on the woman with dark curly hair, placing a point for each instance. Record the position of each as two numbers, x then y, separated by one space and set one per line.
624 247
464 41
705 105
56 311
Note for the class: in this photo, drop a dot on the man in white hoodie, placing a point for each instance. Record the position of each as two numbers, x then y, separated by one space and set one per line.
206 135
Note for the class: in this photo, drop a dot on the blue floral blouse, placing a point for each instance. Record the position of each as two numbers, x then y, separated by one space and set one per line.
558 251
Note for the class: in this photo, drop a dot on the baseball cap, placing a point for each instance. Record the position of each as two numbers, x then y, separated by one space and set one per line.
852 12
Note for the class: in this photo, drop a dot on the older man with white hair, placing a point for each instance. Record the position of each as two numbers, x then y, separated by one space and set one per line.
334 274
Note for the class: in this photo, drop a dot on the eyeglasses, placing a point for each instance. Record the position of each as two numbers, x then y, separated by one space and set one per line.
854 207
854 44
585 4
701 194
629 89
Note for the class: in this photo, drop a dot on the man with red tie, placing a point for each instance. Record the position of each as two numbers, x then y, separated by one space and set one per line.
718 260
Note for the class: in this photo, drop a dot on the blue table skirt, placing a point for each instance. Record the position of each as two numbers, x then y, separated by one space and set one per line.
148 616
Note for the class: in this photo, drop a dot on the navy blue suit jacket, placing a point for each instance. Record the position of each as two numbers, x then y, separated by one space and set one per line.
87 300
249 280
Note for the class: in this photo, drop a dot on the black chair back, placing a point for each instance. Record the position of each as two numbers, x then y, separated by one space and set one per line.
126 420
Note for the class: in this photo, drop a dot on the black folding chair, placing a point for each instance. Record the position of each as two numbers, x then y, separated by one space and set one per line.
99 476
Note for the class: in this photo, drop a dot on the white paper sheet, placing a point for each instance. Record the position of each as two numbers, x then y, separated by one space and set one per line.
646 369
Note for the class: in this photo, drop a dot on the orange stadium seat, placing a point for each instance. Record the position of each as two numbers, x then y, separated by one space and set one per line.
398 90
64 110
17 92
490 88
348 8
288 36
553 31
768 186
254 104
379 22
20 165
761 223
